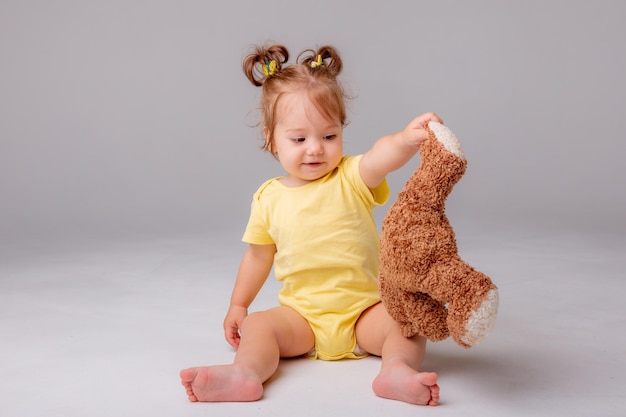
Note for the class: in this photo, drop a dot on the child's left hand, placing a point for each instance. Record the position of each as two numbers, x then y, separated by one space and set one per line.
416 129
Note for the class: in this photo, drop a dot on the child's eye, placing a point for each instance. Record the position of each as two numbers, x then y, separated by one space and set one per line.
330 137
298 140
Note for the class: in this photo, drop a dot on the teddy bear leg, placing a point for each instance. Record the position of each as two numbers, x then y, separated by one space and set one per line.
398 304
481 319
429 317
472 315
415 312
472 300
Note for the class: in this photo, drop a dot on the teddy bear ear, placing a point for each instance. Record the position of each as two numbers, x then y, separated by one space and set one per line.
447 138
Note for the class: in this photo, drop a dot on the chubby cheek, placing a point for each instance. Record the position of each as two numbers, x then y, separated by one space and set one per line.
337 151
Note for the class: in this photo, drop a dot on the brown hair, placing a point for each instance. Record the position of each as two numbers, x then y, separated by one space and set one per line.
319 82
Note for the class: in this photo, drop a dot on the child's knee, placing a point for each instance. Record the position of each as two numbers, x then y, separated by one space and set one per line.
255 320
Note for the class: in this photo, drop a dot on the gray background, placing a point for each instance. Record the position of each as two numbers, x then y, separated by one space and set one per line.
128 161
134 117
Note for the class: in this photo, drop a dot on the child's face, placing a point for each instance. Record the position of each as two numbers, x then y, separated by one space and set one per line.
307 144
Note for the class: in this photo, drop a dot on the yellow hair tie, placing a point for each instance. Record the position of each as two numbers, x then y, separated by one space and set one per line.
269 68
318 63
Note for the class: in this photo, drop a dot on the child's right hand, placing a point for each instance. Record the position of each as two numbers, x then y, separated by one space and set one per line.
232 324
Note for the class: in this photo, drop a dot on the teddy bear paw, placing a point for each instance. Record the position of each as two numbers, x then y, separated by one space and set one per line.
448 139
481 320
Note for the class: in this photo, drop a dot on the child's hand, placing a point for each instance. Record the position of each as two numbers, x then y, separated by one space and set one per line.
232 324
393 151
422 120
416 129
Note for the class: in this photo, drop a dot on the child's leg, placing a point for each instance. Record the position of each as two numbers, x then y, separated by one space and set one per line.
399 379
265 337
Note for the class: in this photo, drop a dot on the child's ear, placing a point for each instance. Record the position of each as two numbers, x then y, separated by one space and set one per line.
267 139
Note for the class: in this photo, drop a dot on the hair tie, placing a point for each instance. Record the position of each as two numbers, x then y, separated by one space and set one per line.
318 63
269 68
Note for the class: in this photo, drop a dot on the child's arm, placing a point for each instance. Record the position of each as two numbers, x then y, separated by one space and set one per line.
393 151
254 269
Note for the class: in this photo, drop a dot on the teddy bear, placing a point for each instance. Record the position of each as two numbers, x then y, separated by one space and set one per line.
424 284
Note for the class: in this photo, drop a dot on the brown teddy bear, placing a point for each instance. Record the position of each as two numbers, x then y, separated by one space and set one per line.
424 284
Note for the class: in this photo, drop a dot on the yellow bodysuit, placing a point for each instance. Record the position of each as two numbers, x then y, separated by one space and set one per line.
327 251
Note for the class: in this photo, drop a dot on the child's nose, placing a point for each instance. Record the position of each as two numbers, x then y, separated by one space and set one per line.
315 147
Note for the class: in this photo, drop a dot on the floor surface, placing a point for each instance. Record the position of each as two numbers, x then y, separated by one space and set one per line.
101 327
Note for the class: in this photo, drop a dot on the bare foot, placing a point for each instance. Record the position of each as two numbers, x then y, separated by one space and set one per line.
221 383
398 381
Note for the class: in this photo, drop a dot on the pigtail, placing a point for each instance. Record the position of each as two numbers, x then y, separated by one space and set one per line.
325 58
264 62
